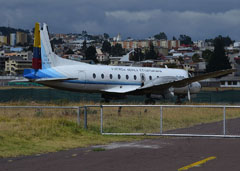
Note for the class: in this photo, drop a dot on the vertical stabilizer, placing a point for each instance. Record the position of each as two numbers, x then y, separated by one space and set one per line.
36 60
46 50
49 58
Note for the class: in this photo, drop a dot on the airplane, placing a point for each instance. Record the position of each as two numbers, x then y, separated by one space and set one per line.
113 82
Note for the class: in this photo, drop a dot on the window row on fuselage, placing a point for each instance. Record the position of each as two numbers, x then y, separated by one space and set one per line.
120 76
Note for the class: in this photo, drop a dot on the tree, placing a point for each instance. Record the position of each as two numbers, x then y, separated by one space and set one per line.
181 60
186 40
117 50
219 60
161 36
91 53
174 38
226 40
196 58
151 54
69 51
57 41
84 46
207 54
106 46
137 55
106 36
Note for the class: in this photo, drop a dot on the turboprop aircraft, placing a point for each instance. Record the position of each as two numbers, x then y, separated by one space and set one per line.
113 82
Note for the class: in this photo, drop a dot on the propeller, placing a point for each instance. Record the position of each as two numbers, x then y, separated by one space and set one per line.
189 92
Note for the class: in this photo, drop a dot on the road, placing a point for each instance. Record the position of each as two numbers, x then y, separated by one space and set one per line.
163 154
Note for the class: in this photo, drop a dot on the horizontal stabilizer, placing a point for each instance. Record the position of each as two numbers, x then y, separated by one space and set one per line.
20 81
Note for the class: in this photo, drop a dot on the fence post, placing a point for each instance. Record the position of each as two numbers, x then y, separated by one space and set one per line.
78 116
161 118
224 120
101 129
85 117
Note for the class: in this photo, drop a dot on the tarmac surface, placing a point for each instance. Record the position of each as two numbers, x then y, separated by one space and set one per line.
165 154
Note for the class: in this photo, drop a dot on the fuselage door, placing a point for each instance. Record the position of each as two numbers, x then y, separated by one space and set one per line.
143 78
82 78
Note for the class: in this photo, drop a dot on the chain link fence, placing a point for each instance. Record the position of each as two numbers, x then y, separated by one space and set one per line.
47 94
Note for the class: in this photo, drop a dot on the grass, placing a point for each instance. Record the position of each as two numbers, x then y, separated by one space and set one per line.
98 149
31 131
219 88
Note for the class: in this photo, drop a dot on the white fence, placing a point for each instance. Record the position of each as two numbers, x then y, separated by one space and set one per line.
222 129
155 120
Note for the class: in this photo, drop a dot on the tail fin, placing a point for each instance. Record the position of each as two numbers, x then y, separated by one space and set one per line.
36 60
46 49
49 58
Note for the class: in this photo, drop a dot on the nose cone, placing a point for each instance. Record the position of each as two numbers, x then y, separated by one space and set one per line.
196 87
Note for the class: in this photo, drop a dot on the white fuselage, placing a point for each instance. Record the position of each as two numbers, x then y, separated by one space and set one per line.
98 78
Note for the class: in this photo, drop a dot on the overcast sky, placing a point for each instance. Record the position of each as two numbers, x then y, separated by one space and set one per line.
199 19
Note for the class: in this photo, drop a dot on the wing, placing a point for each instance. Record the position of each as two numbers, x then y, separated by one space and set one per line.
158 88
20 81
158 85
190 80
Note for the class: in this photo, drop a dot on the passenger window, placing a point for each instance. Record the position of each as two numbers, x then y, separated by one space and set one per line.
135 77
127 77
150 77
102 75
94 75
110 76
119 76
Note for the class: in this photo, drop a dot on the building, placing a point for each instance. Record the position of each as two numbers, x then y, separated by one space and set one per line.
132 44
101 56
2 53
12 39
3 40
118 38
236 44
3 59
232 82
21 38
26 55
15 65
200 44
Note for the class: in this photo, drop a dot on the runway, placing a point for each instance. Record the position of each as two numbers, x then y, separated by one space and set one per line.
158 154
165 154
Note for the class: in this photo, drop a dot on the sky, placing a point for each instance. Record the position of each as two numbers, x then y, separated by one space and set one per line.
139 19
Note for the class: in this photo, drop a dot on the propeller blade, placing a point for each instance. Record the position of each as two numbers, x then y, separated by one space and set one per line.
189 93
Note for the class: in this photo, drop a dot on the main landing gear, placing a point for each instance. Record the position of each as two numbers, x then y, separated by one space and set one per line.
150 101
105 101
179 101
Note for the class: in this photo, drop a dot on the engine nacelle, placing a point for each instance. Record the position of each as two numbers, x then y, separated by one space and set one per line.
194 88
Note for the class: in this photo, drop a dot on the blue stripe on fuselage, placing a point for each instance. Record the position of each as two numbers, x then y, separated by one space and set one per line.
99 82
